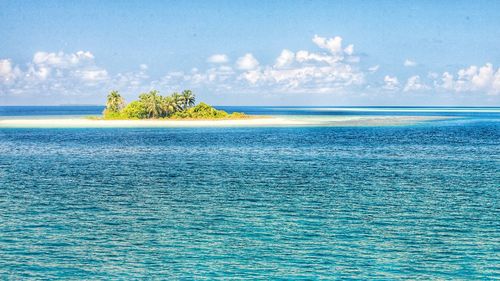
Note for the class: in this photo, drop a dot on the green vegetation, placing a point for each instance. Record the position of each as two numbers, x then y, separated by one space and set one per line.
135 110
201 111
152 105
114 105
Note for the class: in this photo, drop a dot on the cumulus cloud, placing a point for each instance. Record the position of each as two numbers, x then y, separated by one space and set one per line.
409 63
218 58
310 71
92 75
8 72
414 84
286 58
306 56
474 79
331 68
59 66
63 74
328 67
305 78
51 72
334 45
391 83
247 62
62 60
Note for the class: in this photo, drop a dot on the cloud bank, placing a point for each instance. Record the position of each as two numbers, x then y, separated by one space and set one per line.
472 79
331 67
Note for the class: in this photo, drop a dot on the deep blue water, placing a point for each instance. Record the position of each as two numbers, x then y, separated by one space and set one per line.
414 202
7 111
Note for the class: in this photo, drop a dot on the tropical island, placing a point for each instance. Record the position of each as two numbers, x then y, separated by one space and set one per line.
180 110
152 105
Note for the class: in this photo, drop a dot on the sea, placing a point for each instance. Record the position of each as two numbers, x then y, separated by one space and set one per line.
413 202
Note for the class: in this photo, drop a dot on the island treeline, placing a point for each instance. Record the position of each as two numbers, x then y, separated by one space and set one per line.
152 105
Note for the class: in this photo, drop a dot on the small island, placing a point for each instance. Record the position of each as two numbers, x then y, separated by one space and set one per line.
152 105
152 110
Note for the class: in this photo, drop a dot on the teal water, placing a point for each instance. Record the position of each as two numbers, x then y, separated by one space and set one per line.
403 202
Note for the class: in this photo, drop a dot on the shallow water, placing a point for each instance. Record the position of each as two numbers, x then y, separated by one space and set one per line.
416 202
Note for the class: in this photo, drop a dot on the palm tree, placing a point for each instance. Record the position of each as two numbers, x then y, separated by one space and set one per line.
169 105
188 99
178 100
115 102
153 103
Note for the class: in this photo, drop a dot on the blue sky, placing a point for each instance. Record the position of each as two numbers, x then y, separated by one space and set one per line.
252 53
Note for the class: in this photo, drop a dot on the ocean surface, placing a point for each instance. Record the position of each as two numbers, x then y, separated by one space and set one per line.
394 202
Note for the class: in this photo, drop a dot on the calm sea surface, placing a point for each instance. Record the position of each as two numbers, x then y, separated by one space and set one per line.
415 202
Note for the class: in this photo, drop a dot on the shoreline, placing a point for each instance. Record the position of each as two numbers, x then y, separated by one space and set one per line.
278 121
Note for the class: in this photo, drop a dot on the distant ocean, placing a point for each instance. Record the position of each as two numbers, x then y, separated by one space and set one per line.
395 202
81 111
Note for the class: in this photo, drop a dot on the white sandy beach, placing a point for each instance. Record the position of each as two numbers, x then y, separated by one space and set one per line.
251 122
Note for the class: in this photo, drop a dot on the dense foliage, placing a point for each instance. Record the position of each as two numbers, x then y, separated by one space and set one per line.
152 105
135 110
203 111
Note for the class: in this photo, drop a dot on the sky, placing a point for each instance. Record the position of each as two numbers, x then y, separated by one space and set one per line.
252 52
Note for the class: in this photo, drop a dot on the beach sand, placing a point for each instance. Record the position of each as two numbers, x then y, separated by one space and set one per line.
250 122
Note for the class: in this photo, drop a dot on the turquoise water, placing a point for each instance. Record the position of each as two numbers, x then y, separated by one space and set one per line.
415 202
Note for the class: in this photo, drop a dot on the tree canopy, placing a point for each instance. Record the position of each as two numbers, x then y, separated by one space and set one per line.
152 105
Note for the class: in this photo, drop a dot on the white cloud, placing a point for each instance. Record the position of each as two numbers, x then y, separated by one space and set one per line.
409 63
305 78
336 52
329 68
63 74
349 50
472 79
62 60
334 45
218 58
92 75
448 81
286 58
306 56
308 71
8 72
252 76
302 71
414 84
61 66
247 62
391 83
39 72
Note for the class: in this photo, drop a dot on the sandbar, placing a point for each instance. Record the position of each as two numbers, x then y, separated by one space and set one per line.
272 121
